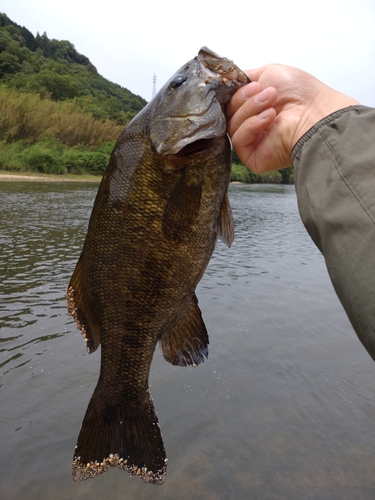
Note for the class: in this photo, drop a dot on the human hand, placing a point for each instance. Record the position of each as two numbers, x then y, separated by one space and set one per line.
269 115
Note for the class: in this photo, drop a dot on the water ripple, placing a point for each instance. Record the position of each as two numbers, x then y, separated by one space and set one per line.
283 408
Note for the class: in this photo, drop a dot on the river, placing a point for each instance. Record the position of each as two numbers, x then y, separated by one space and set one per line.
284 408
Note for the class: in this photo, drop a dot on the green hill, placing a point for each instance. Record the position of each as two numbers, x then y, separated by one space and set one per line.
54 69
57 114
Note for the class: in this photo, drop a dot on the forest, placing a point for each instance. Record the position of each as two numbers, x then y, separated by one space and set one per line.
58 115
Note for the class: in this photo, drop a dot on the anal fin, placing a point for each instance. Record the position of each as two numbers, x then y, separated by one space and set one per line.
187 343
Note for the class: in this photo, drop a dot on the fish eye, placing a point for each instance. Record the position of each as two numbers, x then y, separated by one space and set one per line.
177 81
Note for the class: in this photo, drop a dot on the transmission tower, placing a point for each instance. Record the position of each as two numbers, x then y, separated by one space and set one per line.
154 86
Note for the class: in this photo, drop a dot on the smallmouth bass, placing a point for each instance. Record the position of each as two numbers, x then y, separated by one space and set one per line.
160 207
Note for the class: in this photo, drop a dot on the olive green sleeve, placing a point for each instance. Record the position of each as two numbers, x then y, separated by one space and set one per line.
334 166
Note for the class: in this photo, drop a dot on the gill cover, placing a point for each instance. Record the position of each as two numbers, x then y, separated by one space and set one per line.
190 105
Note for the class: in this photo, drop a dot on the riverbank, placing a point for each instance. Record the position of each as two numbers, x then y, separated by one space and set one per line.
15 176
5 176
271 178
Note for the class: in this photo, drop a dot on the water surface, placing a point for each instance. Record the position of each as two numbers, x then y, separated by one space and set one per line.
283 409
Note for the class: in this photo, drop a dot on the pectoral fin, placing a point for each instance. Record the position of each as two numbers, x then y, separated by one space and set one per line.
81 309
187 343
226 224
182 207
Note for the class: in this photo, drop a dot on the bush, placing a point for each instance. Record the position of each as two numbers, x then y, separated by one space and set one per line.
240 173
40 158
51 157
11 157
93 162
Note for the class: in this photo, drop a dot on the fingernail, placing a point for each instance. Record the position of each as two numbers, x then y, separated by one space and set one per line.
264 115
262 97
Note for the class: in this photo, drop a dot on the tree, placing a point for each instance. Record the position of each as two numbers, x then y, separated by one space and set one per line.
9 64
59 86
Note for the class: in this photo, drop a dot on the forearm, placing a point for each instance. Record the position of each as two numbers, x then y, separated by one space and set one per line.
335 182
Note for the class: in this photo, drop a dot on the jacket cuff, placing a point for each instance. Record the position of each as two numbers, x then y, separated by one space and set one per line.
321 123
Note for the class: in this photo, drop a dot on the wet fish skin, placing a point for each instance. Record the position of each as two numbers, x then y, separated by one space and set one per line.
161 204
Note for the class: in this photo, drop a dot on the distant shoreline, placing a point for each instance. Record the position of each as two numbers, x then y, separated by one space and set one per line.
5 176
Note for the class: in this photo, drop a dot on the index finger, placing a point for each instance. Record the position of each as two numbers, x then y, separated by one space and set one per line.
240 97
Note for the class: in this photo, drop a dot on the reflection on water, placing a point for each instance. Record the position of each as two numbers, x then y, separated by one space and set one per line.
283 409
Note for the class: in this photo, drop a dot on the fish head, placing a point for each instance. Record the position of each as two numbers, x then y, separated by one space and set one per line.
190 106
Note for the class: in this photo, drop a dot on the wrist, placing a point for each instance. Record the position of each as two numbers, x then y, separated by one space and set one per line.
326 102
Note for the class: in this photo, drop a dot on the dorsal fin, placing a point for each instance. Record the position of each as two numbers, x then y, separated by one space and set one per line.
187 343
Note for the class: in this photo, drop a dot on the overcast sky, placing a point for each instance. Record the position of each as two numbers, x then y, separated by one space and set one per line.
130 41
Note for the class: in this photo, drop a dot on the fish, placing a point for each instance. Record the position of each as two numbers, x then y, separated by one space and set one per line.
160 207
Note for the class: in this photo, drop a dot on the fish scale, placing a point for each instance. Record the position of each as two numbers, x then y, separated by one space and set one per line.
160 207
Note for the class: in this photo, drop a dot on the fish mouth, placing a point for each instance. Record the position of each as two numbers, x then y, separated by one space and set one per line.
222 69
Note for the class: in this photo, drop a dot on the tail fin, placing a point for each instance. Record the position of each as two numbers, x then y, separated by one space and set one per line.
111 437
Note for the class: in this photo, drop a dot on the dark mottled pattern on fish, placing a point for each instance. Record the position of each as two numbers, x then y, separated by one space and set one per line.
159 209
